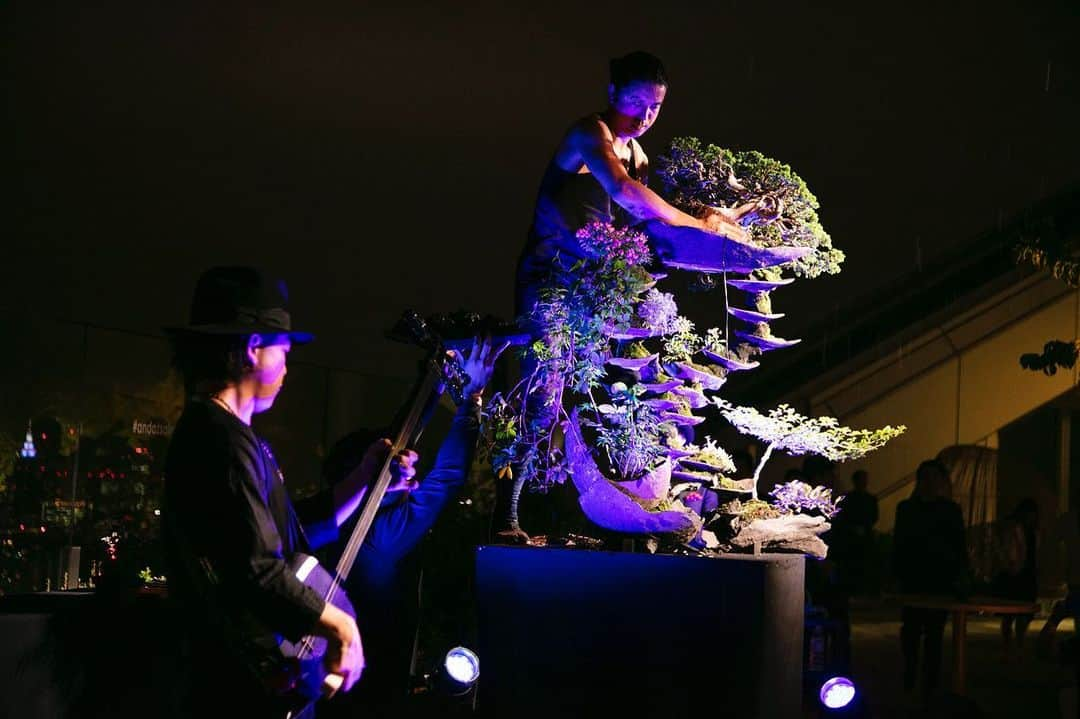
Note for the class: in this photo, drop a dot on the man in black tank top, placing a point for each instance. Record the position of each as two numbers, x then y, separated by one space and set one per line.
597 174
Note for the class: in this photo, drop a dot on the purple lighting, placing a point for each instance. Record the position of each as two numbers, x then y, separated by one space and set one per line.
837 692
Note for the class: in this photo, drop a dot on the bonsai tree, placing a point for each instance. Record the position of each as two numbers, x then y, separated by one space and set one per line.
786 430
617 376
699 178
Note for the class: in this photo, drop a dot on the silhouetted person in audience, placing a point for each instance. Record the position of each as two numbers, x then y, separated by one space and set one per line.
859 508
853 533
929 559
1018 578
1066 534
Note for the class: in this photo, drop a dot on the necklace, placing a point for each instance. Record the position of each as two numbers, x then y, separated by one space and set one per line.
222 403
267 452
225 406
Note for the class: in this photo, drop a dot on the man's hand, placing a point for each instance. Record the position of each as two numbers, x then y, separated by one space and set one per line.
478 364
344 652
402 468
719 223
350 492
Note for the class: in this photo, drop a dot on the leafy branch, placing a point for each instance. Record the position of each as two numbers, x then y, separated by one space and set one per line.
786 430
698 177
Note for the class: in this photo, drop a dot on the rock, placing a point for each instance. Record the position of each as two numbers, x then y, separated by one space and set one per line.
796 532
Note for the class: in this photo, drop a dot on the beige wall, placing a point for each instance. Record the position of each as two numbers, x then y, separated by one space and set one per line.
957 384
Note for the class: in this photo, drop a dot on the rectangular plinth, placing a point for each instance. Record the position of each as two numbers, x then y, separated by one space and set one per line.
573 632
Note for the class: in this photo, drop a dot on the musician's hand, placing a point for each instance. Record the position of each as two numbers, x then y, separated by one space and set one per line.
402 469
344 651
479 364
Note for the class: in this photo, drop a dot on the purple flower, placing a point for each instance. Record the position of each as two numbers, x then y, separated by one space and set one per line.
799 497
658 311
604 240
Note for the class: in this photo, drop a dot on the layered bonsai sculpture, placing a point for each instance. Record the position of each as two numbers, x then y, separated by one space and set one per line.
618 376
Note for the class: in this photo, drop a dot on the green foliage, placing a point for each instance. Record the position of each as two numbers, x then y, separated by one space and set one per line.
583 307
697 177
148 577
757 509
786 430
683 342
576 315
627 430
499 430
711 453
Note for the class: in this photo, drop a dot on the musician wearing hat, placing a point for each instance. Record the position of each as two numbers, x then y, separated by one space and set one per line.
231 531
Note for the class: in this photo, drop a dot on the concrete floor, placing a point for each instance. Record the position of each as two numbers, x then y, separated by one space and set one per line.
1028 687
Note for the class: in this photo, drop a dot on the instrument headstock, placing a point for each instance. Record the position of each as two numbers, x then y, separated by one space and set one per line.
413 329
441 333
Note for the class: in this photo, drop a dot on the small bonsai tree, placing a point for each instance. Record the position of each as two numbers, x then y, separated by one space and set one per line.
786 430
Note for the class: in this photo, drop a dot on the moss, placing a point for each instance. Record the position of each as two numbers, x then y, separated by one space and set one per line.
757 509
637 350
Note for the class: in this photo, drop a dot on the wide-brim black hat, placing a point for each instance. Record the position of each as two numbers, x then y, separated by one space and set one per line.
240 301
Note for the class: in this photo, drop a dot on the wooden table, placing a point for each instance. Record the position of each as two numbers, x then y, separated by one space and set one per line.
960 608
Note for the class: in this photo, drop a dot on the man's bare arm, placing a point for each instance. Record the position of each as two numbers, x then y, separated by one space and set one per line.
593 142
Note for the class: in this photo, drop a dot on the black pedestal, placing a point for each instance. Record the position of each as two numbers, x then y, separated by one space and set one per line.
568 633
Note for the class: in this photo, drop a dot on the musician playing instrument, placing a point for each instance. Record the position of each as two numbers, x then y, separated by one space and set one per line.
230 528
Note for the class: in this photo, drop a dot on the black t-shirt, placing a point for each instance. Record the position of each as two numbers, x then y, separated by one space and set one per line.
565 202
230 530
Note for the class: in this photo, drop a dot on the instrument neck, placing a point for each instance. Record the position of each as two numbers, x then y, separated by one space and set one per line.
425 399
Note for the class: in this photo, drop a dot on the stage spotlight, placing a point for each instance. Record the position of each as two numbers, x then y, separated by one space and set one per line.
461 669
837 693
450 690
